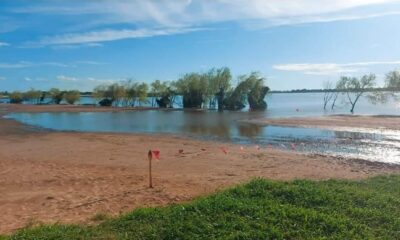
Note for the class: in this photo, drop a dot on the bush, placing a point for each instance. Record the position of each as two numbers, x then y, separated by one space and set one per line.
16 97
72 96
56 95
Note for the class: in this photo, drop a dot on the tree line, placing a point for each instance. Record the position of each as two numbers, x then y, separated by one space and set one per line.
212 89
354 88
39 97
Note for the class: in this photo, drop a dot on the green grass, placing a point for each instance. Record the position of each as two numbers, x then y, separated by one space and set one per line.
260 209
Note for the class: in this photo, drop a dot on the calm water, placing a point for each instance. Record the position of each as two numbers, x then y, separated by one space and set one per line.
227 127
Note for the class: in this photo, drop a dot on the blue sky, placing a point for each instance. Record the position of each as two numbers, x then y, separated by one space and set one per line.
294 44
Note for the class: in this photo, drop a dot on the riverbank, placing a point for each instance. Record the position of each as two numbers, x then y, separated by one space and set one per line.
69 177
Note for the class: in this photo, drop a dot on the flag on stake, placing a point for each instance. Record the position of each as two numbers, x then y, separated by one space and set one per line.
224 150
155 154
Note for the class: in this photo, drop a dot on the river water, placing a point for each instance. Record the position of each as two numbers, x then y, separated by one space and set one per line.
377 145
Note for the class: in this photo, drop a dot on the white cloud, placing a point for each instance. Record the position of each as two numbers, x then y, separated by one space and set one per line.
2 78
25 64
107 35
330 68
4 44
66 78
73 46
163 17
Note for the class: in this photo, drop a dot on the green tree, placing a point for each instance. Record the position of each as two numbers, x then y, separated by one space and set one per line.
193 88
158 90
142 91
354 88
251 90
16 97
72 96
33 96
56 95
392 80
219 82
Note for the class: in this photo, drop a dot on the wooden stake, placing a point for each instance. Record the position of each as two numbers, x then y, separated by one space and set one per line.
150 156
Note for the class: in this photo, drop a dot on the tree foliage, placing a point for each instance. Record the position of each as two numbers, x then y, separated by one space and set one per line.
56 95
392 80
72 96
33 96
16 97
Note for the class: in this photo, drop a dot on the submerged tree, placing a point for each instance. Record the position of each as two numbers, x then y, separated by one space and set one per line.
56 95
16 97
72 96
257 92
219 82
193 87
328 93
33 96
355 88
251 90
392 80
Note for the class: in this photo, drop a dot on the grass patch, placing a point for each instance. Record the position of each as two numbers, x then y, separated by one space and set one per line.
260 209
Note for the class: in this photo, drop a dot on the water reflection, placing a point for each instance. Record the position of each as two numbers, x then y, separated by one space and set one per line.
228 126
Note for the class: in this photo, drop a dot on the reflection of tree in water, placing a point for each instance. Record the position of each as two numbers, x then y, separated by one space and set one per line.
220 130
249 130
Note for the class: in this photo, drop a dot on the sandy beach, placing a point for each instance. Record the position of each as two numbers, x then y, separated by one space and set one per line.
68 177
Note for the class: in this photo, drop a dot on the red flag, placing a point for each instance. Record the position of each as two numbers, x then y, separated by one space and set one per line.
155 154
224 150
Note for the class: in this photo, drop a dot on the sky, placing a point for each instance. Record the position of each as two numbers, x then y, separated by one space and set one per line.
295 44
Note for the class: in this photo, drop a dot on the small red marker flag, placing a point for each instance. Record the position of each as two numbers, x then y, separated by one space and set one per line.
224 150
155 154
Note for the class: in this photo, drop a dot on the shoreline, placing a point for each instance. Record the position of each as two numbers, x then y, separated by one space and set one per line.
68 177
335 122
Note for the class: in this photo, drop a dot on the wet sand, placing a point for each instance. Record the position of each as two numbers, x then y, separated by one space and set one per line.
336 122
48 177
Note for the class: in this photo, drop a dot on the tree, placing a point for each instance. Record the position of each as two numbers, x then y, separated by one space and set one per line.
142 91
355 88
392 80
219 82
56 95
328 93
251 89
158 90
16 97
33 96
257 92
72 96
109 95
193 88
